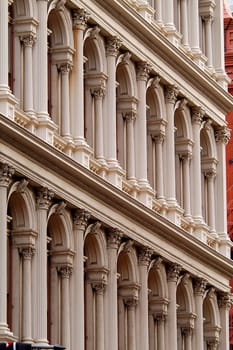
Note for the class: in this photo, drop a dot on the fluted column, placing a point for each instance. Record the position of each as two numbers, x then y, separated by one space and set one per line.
199 290
4 45
143 70
224 303
100 332
159 169
80 222
210 175
65 272
6 172
171 93
28 41
197 117
186 184
44 197
172 278
113 242
65 100
80 18
42 66
112 50
99 94
27 254
130 151
143 262
131 304
208 38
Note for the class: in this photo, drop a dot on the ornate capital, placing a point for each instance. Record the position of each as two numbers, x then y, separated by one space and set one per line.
129 116
22 185
80 218
207 18
6 172
65 68
200 286
28 40
222 134
225 300
60 208
143 70
80 18
160 317
173 272
113 45
114 237
44 197
98 93
144 257
131 302
197 115
98 286
27 252
159 138
171 93
65 271
210 174
187 330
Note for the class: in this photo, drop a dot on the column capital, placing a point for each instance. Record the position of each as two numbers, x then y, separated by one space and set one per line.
65 67
113 45
80 18
160 317
99 286
210 174
65 271
81 218
28 39
144 257
225 300
207 18
98 92
27 252
185 155
171 93
173 272
158 138
200 286
129 116
131 302
143 70
197 115
187 330
6 172
222 134
114 237
44 198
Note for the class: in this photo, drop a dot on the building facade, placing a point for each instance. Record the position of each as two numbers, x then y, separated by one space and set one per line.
112 174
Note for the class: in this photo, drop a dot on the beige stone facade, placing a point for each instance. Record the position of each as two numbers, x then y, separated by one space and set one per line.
112 174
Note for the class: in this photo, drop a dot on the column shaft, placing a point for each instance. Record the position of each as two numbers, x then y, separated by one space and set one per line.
28 76
159 168
65 305
4 45
184 22
100 319
199 289
65 100
27 295
130 151
186 185
161 333
131 327
211 200
99 136
194 26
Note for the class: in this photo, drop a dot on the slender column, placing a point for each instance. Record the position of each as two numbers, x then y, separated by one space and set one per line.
161 331
159 169
224 303
210 175
144 261
42 82
186 184
131 330
197 117
184 23
6 172
112 50
199 290
99 292
4 45
44 197
80 18
113 242
208 38
143 70
98 94
65 99
194 27
130 151
187 333
65 272
28 41
80 222
172 278
169 15
171 93
27 254
158 11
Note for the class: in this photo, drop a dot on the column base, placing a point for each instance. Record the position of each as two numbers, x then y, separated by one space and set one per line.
172 34
200 230
46 128
145 194
5 334
199 58
146 11
7 103
82 153
222 78
115 174
174 212
225 244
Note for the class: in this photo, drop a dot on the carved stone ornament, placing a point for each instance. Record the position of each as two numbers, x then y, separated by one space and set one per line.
143 70
60 208
113 45
197 115
22 185
80 218
80 18
114 237
131 302
44 197
200 286
223 135
6 172
225 300
65 271
28 40
144 257
98 93
173 272
27 252
171 93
